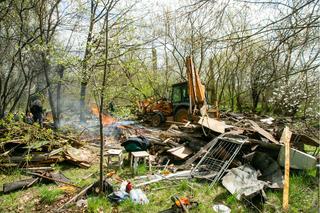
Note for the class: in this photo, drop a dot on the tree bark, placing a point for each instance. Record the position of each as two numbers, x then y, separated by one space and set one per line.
83 91
46 69
59 86
104 80
87 53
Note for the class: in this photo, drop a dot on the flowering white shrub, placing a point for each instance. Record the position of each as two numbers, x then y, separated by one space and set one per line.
287 98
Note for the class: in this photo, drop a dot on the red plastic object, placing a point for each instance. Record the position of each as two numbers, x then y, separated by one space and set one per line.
129 187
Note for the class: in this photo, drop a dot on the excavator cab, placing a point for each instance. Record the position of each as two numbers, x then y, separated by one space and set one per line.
187 100
180 101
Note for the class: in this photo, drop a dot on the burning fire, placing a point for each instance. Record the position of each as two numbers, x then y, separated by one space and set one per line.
106 119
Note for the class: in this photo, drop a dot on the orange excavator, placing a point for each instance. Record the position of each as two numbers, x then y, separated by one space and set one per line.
188 100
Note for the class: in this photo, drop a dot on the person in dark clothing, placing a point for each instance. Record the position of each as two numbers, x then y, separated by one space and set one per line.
111 107
37 111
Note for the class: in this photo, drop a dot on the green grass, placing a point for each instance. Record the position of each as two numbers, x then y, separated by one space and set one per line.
98 204
303 193
49 196
79 176
9 201
142 169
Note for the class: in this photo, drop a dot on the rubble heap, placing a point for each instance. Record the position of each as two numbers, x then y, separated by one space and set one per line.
234 149
25 145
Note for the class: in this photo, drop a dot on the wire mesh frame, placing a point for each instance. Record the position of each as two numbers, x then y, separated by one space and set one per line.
218 158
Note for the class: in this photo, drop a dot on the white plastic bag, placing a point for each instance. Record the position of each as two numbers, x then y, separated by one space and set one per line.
123 186
138 196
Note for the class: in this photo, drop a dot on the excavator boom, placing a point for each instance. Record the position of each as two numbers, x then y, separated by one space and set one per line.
196 88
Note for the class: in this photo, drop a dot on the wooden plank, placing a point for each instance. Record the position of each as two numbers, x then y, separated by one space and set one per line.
176 122
285 138
263 132
213 124
47 168
33 158
186 136
304 139
181 152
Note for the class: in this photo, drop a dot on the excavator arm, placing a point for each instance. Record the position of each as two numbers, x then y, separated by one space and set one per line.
196 89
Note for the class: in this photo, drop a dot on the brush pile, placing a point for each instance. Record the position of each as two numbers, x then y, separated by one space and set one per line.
26 145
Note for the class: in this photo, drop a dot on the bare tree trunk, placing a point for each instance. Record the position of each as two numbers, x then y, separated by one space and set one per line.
46 68
83 92
85 77
166 57
255 95
59 86
212 84
104 80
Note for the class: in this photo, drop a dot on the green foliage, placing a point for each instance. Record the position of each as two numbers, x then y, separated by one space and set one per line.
231 200
303 194
142 169
76 175
49 196
98 204
122 112
129 206
9 201
32 135
183 185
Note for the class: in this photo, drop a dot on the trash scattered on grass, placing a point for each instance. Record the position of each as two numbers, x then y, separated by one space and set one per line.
220 208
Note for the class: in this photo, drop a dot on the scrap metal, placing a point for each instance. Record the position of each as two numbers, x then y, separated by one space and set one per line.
214 163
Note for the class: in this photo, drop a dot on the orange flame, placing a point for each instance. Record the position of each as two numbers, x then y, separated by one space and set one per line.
106 119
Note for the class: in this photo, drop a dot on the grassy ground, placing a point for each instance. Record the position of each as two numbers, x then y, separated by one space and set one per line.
48 197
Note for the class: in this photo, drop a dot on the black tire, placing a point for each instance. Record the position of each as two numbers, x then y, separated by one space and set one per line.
181 115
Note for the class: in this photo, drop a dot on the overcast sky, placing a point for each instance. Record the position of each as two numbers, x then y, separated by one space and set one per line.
148 9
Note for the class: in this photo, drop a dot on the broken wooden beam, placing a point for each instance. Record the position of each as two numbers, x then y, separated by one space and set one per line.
285 139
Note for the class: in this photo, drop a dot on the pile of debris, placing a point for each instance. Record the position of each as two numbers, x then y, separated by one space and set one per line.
247 157
25 145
